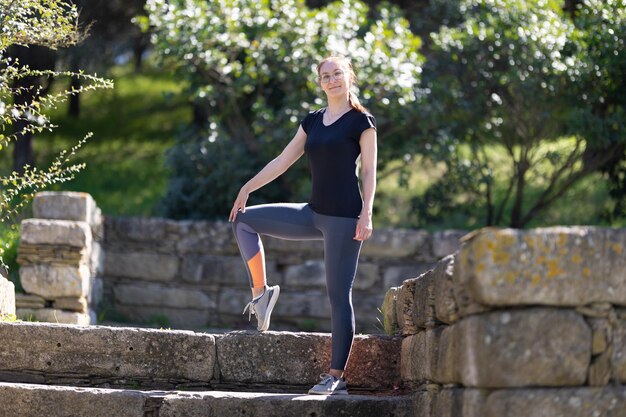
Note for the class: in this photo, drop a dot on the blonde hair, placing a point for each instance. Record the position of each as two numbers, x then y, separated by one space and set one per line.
353 100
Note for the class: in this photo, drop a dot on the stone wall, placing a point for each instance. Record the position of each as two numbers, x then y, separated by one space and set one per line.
189 274
518 323
192 274
61 259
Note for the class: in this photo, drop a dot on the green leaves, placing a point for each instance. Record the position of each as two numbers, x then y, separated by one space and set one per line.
251 68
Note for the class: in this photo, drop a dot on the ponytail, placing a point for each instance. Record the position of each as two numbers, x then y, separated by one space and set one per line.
354 102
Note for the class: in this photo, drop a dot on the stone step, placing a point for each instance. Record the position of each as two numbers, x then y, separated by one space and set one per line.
101 356
26 400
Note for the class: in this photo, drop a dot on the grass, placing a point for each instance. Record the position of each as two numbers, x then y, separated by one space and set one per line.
134 124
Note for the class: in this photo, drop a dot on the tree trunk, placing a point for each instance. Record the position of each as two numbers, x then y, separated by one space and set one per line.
36 58
520 172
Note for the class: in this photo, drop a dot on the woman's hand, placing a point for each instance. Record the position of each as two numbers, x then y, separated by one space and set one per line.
364 227
240 204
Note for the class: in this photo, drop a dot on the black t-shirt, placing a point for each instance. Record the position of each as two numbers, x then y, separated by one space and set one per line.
332 152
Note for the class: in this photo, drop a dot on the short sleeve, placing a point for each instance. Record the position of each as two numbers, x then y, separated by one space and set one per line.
366 121
306 122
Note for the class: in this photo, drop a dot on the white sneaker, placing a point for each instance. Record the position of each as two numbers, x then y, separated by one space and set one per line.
330 385
262 307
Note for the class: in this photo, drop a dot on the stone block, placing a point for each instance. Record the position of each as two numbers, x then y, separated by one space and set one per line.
202 238
367 277
447 242
7 297
146 266
390 320
55 401
430 356
399 243
531 347
405 305
310 274
600 369
446 306
395 275
309 249
252 357
618 362
66 205
553 402
215 403
156 295
460 402
96 259
229 270
52 282
29 301
52 315
100 351
76 304
52 254
56 232
367 313
179 318
558 266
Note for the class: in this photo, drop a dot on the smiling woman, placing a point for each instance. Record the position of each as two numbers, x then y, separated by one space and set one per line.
333 138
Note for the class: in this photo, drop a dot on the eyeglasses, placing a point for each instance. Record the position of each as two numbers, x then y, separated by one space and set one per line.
337 75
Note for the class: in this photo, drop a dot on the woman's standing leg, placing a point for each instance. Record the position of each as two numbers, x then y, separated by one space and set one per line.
341 253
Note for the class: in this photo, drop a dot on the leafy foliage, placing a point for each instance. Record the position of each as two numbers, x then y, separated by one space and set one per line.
506 77
250 66
31 22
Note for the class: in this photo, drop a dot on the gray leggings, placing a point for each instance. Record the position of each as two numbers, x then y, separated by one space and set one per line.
341 254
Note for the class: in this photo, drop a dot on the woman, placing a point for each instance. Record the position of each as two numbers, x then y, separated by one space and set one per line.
333 138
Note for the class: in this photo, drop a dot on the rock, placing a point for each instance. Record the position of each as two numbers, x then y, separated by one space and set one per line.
156 295
228 270
180 318
447 242
618 360
367 277
570 402
52 282
390 320
531 347
398 243
107 351
405 306
56 232
7 297
78 305
148 266
66 205
310 274
460 402
252 357
556 266
29 301
51 315
600 369
203 238
215 403
41 400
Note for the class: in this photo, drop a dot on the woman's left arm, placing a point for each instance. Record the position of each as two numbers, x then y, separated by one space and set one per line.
368 145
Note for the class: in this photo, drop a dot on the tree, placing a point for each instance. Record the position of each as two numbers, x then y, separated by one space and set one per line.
28 23
503 79
250 69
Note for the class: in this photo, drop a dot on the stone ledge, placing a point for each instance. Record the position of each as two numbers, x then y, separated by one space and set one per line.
299 358
107 351
55 232
209 404
55 401
24 400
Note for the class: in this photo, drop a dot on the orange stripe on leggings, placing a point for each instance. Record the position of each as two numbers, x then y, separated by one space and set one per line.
257 270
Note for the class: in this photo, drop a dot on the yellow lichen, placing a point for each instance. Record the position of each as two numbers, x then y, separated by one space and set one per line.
536 279
617 248
576 259
586 272
553 268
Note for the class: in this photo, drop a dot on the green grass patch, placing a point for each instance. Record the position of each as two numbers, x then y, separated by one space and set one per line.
134 124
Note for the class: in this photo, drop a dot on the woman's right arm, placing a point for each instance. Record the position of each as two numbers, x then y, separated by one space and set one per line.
275 168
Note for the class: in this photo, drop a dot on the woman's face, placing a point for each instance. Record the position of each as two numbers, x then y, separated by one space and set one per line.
334 79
